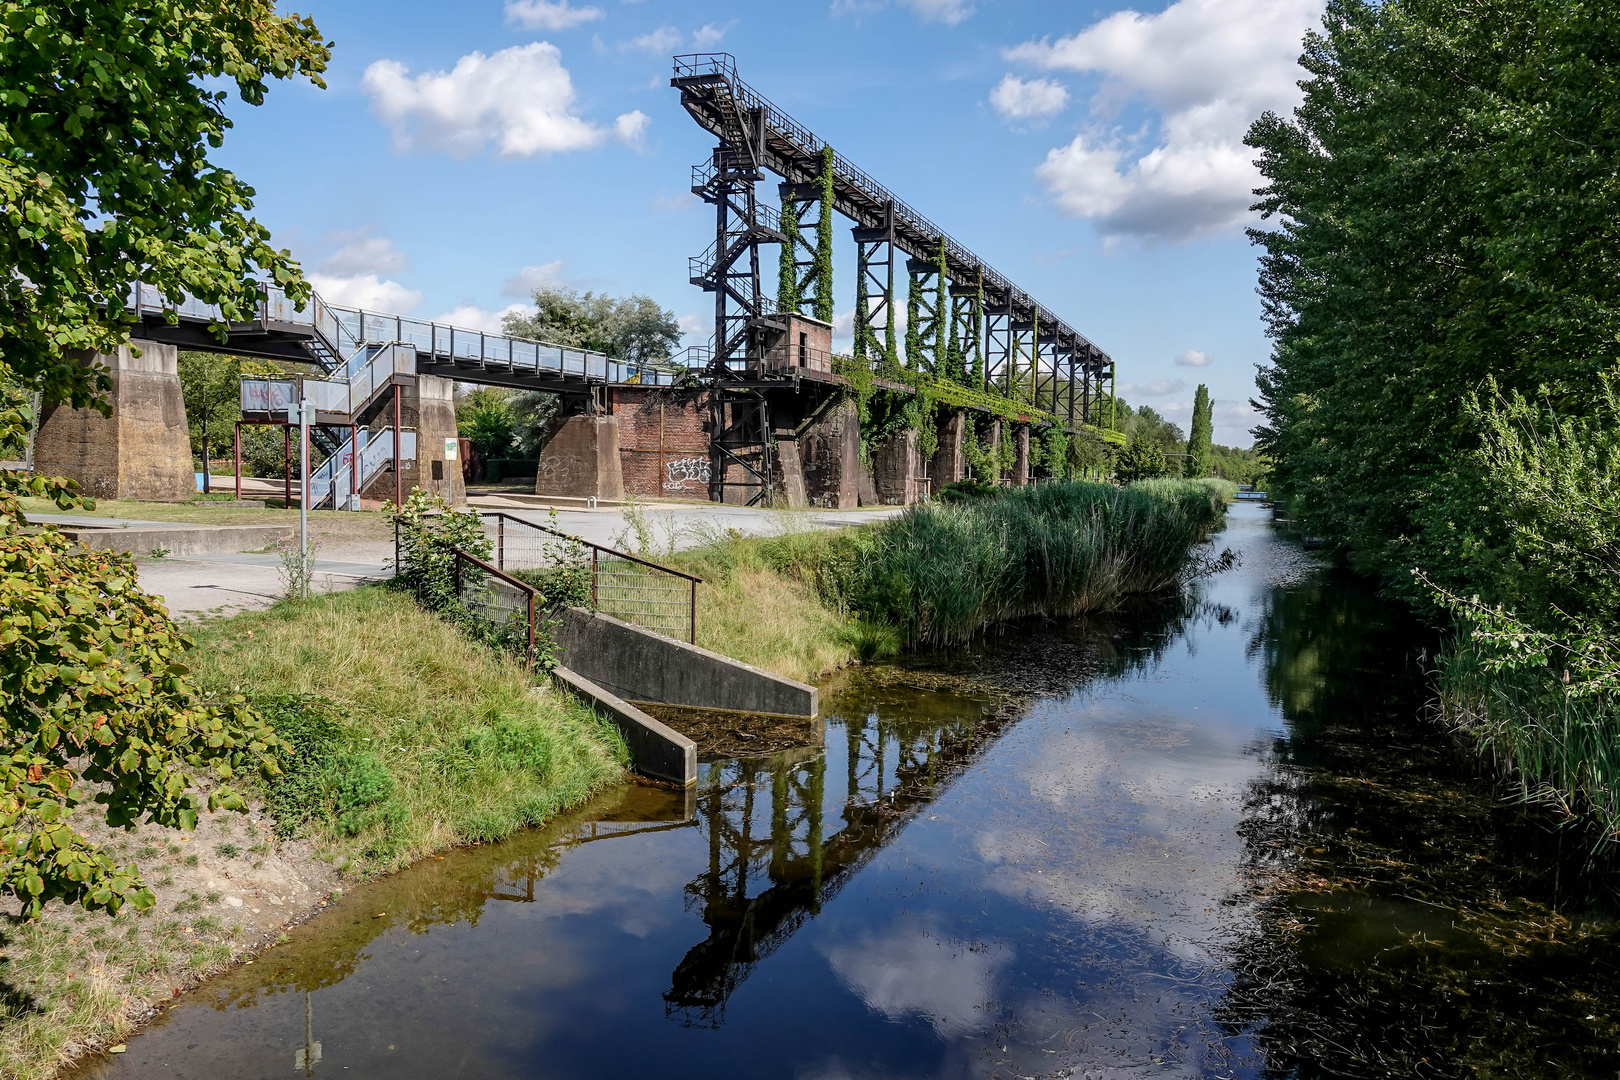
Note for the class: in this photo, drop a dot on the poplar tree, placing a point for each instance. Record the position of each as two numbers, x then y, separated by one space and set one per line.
1199 456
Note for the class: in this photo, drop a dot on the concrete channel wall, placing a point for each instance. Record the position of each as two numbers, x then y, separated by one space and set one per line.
657 750
640 665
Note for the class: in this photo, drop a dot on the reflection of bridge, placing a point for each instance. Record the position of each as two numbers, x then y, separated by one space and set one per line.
771 867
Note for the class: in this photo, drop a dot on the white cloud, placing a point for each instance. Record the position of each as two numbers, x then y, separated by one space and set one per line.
520 99
365 291
910 972
1019 100
631 126
1209 67
679 203
541 15
1160 388
661 40
360 252
1193 358
530 278
949 12
709 34
472 317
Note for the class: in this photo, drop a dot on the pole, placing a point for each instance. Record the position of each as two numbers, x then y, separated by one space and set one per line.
33 433
354 461
237 442
304 411
399 466
286 457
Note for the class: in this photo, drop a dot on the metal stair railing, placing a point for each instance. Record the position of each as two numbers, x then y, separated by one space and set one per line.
333 482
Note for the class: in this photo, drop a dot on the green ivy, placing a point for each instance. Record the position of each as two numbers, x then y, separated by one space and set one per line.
823 267
942 313
913 309
787 276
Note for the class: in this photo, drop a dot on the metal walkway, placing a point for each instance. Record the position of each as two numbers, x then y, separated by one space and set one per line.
329 335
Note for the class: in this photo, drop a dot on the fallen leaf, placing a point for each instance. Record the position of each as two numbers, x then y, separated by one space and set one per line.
119 1049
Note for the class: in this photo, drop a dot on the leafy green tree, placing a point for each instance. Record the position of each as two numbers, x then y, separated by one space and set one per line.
485 416
107 113
1199 458
1141 460
1444 207
633 328
211 386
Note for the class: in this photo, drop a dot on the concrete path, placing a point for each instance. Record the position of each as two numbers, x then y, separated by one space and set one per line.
200 585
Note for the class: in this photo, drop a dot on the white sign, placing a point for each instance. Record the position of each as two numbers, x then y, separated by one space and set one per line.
449 449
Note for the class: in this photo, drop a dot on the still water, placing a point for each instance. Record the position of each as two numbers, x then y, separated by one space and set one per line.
1218 838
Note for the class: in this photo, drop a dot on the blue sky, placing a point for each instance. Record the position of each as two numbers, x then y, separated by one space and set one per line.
1092 152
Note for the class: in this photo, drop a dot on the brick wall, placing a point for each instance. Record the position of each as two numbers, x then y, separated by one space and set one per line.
663 442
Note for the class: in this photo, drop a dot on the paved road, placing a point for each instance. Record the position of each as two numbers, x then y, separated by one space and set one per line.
200 585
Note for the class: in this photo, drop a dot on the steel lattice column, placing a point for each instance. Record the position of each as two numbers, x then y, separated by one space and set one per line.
874 295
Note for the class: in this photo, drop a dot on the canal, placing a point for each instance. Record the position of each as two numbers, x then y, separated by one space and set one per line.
1219 838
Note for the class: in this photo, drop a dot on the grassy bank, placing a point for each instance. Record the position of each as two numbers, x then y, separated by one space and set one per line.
411 736
808 600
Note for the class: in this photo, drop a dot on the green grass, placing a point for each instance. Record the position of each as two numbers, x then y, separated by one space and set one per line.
806 600
1557 750
412 737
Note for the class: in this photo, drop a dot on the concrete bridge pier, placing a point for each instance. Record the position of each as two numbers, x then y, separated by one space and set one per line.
947 465
141 451
830 456
427 404
581 458
895 468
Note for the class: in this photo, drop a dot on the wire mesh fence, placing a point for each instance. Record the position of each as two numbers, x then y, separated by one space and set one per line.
566 569
502 606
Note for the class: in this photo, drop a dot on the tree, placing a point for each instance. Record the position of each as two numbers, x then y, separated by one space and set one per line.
211 386
633 328
107 113
1444 207
1141 460
1199 458
485 416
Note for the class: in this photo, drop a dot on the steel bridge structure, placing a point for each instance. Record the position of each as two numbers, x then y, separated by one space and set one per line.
1024 350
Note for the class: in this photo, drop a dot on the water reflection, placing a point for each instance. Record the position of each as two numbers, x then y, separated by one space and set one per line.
1210 837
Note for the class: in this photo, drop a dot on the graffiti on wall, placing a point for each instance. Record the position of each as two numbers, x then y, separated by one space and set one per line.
681 473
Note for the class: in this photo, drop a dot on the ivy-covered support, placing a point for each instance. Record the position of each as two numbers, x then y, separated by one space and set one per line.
788 286
998 342
967 334
874 294
925 316
942 313
823 268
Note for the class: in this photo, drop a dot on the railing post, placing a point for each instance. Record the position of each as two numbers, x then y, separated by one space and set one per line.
396 542
531 627
693 613
594 601
500 542
238 448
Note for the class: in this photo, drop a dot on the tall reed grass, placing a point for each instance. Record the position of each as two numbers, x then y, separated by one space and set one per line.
942 573
1557 749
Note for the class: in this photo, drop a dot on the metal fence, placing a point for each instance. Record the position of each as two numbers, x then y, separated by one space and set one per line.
613 582
502 603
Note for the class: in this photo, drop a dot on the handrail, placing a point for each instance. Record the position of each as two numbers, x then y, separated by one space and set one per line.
524 587
586 543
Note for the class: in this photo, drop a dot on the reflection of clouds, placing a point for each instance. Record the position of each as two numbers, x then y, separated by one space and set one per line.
1130 816
629 875
912 971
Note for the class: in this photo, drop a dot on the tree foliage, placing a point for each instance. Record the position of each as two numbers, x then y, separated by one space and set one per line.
1445 209
486 417
633 328
93 687
107 114
1199 458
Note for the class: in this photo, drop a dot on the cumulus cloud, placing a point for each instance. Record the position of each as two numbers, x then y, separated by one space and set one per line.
1160 388
1193 358
520 99
366 291
360 252
631 126
1209 68
352 274
709 34
661 40
530 278
1036 99
472 317
910 972
541 15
